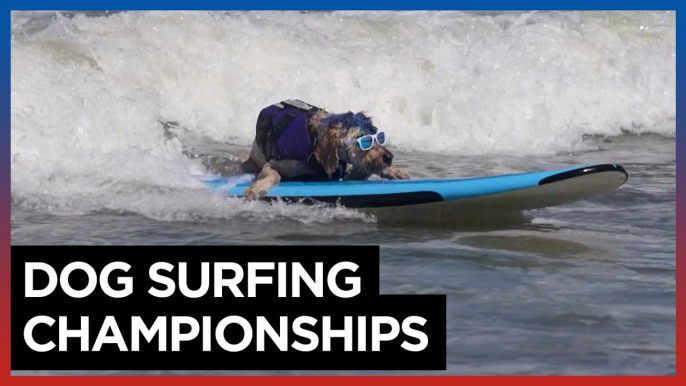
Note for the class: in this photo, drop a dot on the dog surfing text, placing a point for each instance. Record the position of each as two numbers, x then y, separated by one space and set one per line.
217 308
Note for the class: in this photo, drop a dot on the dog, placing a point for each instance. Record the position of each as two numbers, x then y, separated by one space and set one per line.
295 141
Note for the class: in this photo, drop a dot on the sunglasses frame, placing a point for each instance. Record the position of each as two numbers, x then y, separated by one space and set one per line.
374 138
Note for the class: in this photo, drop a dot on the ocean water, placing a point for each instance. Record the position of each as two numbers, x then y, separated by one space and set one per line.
585 288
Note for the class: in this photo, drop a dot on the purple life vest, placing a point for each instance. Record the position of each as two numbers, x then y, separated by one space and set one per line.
282 130
281 133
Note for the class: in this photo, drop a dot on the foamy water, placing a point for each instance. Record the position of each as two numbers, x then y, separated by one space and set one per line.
88 93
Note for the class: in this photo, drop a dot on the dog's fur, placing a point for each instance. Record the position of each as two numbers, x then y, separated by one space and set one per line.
330 130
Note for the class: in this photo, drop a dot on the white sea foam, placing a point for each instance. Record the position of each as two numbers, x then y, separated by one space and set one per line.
88 92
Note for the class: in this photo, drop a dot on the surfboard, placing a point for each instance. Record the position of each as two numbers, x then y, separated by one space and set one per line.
431 197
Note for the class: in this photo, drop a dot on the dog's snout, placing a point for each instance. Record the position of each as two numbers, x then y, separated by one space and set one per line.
388 158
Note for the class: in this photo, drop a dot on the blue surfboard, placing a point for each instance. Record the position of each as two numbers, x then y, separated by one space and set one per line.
510 192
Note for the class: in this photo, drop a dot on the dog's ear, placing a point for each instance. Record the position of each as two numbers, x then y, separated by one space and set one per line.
326 151
364 123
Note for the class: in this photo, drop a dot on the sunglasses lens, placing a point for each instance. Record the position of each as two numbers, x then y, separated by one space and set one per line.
366 143
381 138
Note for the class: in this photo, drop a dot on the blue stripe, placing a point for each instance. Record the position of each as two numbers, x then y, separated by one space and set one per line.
449 189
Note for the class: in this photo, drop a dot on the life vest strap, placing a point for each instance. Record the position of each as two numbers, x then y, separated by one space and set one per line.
270 128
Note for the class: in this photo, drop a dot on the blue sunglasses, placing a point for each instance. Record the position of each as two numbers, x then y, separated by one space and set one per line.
367 141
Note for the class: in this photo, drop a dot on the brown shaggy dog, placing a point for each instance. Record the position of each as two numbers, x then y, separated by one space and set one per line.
312 145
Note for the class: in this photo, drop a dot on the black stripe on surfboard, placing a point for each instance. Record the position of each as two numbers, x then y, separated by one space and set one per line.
584 171
366 200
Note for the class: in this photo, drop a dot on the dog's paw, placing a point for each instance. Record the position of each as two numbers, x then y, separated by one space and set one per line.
254 192
401 175
393 173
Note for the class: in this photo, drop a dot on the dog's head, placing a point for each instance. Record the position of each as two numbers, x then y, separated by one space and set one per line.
337 141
